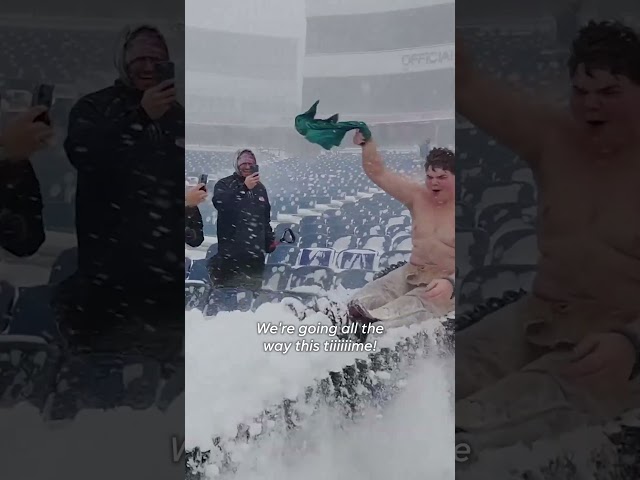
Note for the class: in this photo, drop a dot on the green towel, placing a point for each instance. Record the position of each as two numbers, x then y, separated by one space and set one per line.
326 133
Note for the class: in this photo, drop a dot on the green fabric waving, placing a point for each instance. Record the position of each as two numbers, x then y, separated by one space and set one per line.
326 133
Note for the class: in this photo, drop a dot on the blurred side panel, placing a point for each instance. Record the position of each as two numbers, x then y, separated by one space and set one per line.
548 339
91 219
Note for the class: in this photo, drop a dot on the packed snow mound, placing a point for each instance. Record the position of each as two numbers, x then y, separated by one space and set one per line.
31 444
230 378
411 439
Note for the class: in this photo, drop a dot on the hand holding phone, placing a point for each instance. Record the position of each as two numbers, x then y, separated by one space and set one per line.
252 180
203 181
23 135
156 101
43 97
165 71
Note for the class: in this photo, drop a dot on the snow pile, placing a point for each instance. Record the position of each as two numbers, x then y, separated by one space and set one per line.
93 445
230 378
412 439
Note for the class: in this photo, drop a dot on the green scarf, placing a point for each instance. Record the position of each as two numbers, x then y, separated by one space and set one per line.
326 133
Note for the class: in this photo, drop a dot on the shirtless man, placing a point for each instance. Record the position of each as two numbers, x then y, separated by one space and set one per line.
424 287
567 353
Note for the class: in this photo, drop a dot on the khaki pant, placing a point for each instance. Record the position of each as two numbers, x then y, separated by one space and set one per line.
508 385
398 298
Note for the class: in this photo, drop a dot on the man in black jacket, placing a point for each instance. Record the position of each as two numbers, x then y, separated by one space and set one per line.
244 231
126 143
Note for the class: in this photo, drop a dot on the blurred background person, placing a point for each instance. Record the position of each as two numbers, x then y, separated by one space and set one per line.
193 234
244 229
21 225
579 335
125 143
193 226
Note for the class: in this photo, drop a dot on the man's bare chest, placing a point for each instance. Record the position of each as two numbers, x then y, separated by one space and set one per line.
596 203
433 223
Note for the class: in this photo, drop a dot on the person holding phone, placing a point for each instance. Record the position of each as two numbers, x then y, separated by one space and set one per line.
124 142
21 225
244 229
193 226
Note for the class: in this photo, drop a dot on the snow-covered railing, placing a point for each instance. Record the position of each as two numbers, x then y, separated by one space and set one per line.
352 391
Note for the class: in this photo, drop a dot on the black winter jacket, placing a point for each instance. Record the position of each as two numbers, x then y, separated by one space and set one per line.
193 227
21 226
130 192
243 218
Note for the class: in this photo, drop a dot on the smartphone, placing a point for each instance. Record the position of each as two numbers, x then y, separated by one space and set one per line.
43 95
203 181
255 169
165 71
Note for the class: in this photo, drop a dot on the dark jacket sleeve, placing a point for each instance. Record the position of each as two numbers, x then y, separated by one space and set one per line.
21 224
92 137
270 235
193 232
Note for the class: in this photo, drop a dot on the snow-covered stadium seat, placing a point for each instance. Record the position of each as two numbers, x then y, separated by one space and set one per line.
353 279
358 259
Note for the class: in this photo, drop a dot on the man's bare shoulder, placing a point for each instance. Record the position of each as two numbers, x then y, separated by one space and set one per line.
561 132
417 194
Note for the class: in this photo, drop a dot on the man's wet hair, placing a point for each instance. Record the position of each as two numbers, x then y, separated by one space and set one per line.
442 158
607 45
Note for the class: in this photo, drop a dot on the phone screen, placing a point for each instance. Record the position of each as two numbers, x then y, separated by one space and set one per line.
165 71
203 180
43 96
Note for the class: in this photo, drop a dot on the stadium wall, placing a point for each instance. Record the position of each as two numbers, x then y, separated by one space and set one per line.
433 57
359 7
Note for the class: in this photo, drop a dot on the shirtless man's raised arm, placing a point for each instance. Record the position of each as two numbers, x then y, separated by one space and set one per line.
516 120
399 187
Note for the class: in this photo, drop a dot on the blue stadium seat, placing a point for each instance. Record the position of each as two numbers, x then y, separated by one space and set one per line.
211 251
281 227
516 247
343 242
492 281
318 257
7 297
103 382
379 243
196 294
353 279
276 277
28 369
402 242
228 300
357 260
32 313
311 229
313 241
321 277
283 254
65 265
199 271
392 257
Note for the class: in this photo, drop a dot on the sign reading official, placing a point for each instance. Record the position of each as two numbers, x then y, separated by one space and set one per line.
437 57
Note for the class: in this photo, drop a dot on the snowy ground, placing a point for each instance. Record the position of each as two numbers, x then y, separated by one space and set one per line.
412 440
92 446
230 379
